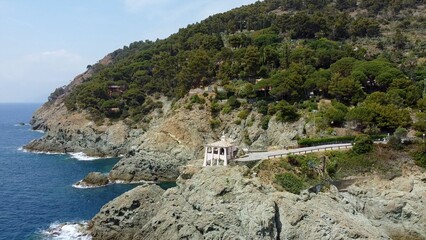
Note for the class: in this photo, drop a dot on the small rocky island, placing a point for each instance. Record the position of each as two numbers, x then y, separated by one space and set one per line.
271 76
93 179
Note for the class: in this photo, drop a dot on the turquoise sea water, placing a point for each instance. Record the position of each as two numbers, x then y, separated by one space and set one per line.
36 189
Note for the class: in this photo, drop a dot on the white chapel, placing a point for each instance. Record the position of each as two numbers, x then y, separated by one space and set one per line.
219 152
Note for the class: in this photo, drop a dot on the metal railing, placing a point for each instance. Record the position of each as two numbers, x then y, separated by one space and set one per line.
306 151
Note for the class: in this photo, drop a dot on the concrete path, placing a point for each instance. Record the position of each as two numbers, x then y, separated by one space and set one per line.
279 153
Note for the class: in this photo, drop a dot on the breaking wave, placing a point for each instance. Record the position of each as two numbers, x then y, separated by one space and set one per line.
65 231
83 157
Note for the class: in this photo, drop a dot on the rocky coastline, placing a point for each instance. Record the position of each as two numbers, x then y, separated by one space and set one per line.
226 203
219 202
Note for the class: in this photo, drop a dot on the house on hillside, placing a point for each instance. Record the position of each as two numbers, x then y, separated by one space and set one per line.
116 89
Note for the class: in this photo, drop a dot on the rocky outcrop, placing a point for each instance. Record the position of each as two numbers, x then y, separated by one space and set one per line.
93 179
398 206
123 217
225 203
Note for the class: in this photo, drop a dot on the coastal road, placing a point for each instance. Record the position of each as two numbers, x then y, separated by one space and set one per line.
278 153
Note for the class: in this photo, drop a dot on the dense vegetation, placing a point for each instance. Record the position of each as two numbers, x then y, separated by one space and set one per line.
369 59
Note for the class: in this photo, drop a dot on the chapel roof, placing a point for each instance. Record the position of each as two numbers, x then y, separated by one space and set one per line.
224 142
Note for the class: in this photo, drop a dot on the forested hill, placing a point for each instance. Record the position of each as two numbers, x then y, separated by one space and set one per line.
366 53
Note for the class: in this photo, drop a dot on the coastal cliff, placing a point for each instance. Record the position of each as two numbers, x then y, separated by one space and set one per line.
226 203
153 151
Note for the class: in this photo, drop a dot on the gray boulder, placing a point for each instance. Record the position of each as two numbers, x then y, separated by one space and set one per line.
125 215
94 179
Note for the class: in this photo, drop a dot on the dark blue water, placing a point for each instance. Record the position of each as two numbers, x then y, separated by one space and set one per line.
36 189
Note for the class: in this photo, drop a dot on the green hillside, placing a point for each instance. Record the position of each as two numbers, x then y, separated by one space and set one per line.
368 57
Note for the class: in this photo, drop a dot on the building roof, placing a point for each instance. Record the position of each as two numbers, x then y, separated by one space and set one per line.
222 143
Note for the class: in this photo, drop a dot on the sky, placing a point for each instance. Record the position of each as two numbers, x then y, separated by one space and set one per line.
44 44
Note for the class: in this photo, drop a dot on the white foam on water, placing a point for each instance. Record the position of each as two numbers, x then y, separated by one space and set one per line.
80 156
134 182
66 231
21 124
22 149
83 157
40 131
81 185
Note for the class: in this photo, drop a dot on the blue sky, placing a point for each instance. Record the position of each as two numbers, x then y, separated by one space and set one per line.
44 44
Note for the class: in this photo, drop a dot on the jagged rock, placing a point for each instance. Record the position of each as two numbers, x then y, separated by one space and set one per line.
398 206
223 203
146 166
216 203
121 218
94 179
188 171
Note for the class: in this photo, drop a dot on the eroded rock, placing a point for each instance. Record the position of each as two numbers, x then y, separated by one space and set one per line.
93 179
225 203
125 215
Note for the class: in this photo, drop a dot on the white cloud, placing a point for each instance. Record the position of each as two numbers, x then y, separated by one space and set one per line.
57 55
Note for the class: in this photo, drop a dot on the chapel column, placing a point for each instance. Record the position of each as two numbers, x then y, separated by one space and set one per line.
211 161
205 155
218 156
225 163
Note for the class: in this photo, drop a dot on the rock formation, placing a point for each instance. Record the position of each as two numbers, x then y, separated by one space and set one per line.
224 203
93 179
123 217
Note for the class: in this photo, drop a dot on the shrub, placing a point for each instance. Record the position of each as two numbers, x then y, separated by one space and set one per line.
247 139
215 123
233 102
188 106
294 160
265 122
215 108
244 114
362 144
420 159
307 142
226 109
197 99
332 168
262 107
286 112
395 142
289 182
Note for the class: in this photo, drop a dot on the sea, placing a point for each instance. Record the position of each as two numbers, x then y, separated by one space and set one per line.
37 197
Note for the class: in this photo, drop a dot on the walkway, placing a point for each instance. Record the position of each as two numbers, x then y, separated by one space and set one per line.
280 153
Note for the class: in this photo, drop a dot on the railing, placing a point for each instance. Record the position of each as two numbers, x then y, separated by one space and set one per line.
306 151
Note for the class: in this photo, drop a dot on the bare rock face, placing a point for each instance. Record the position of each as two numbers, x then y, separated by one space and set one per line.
223 203
398 206
216 203
124 216
146 166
